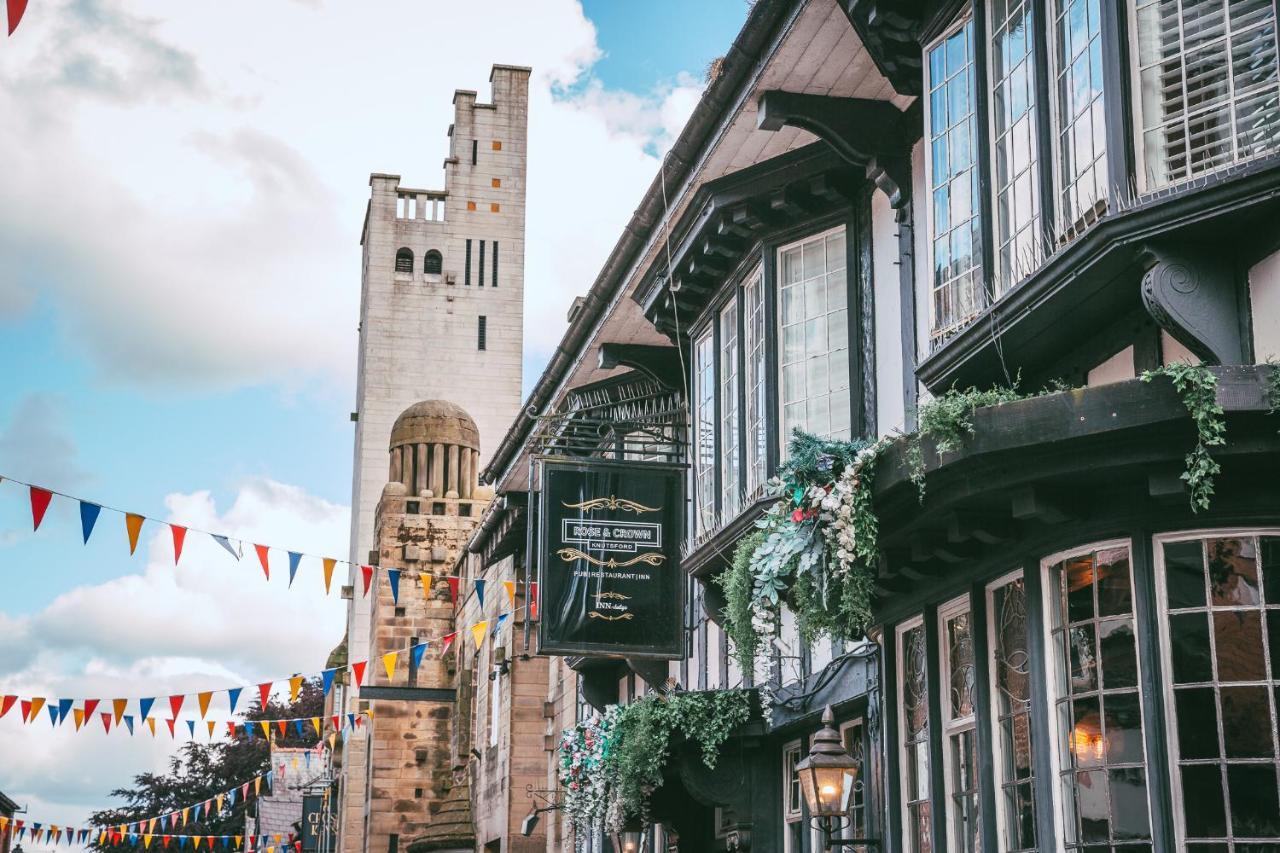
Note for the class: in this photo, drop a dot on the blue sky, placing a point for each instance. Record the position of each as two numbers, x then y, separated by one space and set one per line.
179 282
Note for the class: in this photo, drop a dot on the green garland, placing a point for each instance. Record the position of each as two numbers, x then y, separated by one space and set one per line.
948 421
1272 381
1197 386
737 582
610 766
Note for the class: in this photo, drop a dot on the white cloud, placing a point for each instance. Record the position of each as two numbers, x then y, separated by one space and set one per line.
187 185
211 622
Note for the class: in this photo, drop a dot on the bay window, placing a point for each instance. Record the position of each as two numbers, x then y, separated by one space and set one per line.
1220 626
1079 115
704 397
960 747
730 484
1015 163
913 727
1208 87
1100 757
955 225
814 349
1009 664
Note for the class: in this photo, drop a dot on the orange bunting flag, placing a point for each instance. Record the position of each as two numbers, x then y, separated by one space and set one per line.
425 577
211 725
264 691
257 786
477 632
357 672
510 586
179 536
133 524
389 663
37 702
151 724
262 558
78 713
119 706
197 841
39 504
204 699
280 724
329 563
295 685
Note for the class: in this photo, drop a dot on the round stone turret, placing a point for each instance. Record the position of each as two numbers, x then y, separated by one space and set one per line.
435 450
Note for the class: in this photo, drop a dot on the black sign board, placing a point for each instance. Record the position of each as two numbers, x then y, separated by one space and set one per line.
608 537
319 825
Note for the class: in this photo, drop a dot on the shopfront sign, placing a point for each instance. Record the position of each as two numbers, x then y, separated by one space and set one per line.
609 559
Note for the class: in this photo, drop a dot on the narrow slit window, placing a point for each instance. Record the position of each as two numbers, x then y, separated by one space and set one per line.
480 277
482 333
494 280
475 150
466 268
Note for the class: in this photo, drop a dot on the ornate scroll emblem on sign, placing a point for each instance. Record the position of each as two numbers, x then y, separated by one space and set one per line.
610 584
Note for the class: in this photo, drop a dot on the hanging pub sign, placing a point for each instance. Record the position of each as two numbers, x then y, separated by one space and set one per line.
608 536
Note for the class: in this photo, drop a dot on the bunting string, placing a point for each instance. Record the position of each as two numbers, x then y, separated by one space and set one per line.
53 834
41 497
82 711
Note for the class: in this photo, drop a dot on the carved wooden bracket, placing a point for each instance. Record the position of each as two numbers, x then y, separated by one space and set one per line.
1193 295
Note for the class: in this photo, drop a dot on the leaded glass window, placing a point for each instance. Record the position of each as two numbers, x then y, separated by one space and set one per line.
852 734
1097 709
813 290
913 704
955 228
1079 115
730 484
1221 624
704 395
1010 666
1016 167
959 728
1209 91
756 401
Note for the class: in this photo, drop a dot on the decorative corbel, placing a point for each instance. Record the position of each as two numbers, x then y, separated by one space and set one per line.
1193 295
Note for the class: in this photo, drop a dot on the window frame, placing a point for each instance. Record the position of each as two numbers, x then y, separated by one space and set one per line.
706 518
853 830
1166 692
958 606
1049 605
903 759
792 754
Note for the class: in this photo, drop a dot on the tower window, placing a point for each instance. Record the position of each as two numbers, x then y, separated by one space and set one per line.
475 149
495 263
497 145
480 278
496 183
466 269
480 332
494 207
432 263
404 261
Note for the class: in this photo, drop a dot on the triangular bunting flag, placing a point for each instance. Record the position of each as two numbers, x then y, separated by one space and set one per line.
233 696
151 724
6 702
78 715
88 518
425 577
90 705
415 655
477 631
266 729
389 663
447 641
144 706
533 601
175 704
326 679
64 708
282 725
170 724
393 575
211 725
357 671
329 563
37 702
262 558
119 706
191 727
295 686
294 559
480 584
128 723
366 573
106 722
264 692
204 699
510 587
315 724
39 504
453 589
133 526
179 536
225 543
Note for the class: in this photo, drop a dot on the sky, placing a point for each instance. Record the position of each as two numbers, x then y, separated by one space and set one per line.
181 192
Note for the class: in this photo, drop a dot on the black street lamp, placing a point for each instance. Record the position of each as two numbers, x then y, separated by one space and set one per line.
827 776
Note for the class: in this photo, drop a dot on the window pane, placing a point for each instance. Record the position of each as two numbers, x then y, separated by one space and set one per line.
730 484
815 341
704 394
1011 697
914 726
1210 92
756 436
952 176
1078 120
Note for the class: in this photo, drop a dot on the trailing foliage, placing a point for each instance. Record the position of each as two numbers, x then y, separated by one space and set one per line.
737 582
1197 386
1272 381
948 421
611 765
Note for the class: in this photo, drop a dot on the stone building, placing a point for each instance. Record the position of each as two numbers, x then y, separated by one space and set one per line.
400 771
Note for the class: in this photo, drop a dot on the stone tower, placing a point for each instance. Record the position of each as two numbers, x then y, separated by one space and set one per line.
442 298
398 773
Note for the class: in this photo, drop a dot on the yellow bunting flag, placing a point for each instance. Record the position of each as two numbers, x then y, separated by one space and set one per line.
369 713
146 841
197 839
315 724
389 663
219 800
425 577
333 738
266 730
295 685
78 713
257 783
119 706
239 840
151 826
510 586
151 724
186 813
329 563
133 524
204 699
477 632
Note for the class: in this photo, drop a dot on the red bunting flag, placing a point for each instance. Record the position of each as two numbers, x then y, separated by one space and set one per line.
533 600
39 503
447 641
231 727
106 721
16 9
453 589
262 558
90 705
179 536
264 690
26 710
367 572
175 705
280 724
133 524
334 720
6 702
357 669
170 723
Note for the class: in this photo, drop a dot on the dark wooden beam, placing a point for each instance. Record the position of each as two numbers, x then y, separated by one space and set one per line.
857 128
662 364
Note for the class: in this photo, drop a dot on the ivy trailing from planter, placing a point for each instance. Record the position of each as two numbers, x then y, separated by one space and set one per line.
948 420
610 766
1197 387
